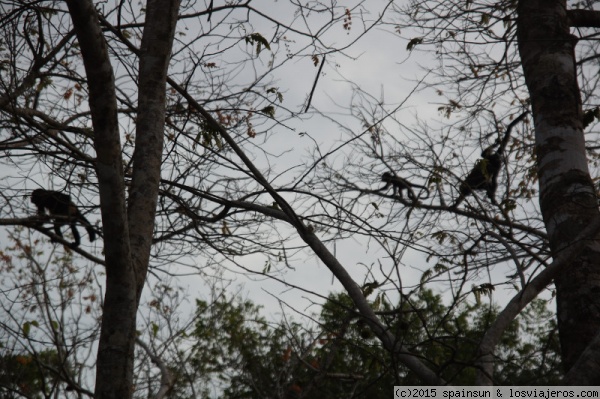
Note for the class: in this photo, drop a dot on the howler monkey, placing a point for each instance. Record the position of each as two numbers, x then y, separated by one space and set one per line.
398 183
484 175
65 212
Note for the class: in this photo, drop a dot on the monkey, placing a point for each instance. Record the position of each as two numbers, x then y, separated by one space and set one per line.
61 206
398 183
484 175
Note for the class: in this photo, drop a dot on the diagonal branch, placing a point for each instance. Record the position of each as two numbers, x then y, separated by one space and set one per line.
491 338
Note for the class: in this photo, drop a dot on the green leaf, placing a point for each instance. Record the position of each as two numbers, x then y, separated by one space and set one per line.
26 328
426 276
275 90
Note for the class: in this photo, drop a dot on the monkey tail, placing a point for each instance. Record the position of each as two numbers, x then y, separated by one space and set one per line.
423 188
88 226
91 232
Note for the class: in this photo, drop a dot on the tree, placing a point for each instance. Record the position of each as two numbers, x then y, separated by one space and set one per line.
188 170
567 193
42 67
128 252
49 313
337 356
27 376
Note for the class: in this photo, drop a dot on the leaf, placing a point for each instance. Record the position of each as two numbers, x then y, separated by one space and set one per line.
269 110
267 267
590 115
377 302
485 19
275 90
26 328
413 42
315 60
474 70
440 268
368 288
208 135
426 276
440 236
225 229
259 40
483 289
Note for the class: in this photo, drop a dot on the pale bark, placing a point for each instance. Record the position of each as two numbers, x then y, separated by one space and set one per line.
167 380
485 359
567 196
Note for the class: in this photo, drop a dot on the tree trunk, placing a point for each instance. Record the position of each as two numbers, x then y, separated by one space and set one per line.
567 196
155 53
127 254
114 365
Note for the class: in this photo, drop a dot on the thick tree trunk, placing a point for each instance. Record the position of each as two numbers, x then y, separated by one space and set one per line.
114 366
128 235
567 196
155 53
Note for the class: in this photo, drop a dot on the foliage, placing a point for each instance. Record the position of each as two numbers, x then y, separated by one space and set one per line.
240 349
31 376
339 357
191 179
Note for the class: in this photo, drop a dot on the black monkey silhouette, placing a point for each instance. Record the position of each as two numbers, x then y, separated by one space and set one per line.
398 183
484 175
64 210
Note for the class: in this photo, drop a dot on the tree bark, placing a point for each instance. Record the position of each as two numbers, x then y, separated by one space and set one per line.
155 53
487 345
114 366
567 196
128 233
